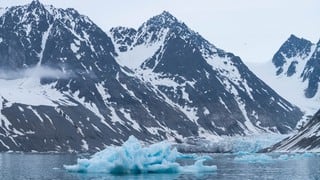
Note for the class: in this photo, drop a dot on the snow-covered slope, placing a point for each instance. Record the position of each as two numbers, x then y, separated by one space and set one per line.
62 89
294 73
306 140
210 86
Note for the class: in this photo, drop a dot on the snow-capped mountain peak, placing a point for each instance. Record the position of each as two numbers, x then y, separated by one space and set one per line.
35 4
191 89
92 101
198 78
165 19
151 36
297 64
291 54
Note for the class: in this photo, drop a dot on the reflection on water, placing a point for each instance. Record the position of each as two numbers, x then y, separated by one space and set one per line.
49 166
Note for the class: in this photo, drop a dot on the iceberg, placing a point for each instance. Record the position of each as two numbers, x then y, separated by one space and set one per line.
133 158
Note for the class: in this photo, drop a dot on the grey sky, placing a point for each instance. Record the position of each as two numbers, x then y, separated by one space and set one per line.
252 29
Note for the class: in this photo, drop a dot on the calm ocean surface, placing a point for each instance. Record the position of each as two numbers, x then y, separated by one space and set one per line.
49 166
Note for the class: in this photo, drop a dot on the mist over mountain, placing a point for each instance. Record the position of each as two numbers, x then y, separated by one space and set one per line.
68 86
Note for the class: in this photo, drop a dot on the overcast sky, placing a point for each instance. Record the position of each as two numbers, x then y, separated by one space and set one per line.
251 29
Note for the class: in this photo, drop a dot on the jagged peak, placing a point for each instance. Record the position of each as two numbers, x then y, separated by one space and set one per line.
292 47
50 12
162 24
292 36
35 4
164 19
167 15
73 11
294 43
294 39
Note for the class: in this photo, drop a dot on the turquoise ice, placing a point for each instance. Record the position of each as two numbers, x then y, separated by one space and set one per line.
133 158
272 157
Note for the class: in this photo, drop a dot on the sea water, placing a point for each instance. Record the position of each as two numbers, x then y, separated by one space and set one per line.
15 166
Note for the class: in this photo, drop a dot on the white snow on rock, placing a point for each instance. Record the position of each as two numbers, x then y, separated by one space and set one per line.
45 36
291 88
29 91
74 47
135 56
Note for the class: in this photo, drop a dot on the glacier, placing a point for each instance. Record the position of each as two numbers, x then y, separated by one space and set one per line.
134 158
226 144
269 158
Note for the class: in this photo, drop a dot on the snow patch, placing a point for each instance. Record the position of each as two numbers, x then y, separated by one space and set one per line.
206 111
135 56
267 72
29 91
133 123
45 36
228 71
84 145
74 47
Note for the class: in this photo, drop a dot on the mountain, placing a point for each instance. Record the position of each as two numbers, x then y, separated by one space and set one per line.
62 89
297 62
306 140
214 88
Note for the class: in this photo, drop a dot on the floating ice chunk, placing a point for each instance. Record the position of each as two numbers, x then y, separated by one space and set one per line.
132 158
197 167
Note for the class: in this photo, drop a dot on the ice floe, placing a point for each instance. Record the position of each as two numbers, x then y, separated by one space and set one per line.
133 158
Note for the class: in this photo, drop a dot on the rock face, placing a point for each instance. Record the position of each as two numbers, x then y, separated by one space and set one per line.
297 62
301 57
62 88
291 53
306 140
212 87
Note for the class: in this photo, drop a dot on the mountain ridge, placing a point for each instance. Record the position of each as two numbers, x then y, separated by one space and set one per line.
305 140
73 93
297 63
83 110
182 58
